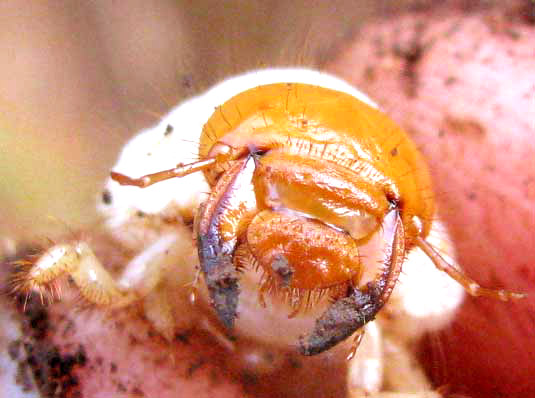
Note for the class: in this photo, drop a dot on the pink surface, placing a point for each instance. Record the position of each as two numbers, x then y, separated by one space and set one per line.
468 99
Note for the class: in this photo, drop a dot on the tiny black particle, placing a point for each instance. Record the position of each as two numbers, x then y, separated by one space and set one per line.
106 197
168 130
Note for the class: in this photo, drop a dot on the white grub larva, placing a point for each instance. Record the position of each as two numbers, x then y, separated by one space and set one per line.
155 223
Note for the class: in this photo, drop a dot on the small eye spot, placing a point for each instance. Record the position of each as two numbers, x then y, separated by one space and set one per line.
168 130
107 197
140 213
394 152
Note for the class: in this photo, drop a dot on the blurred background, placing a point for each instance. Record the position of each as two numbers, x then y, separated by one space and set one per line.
77 78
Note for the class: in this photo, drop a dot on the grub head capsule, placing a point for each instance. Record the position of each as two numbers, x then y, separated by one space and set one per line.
305 177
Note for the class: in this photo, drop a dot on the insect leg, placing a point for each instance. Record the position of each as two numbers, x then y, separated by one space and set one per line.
78 261
471 286
95 283
149 179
